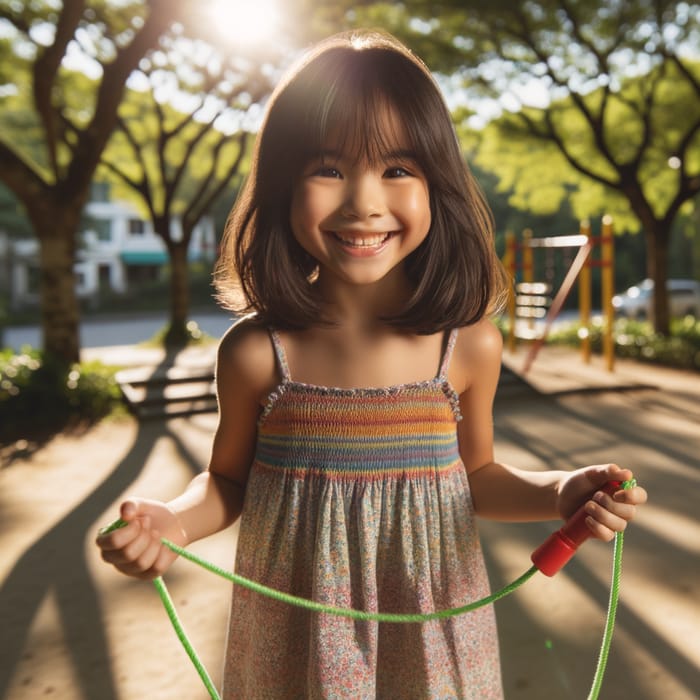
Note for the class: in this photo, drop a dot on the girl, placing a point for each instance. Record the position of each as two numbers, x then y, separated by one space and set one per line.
355 433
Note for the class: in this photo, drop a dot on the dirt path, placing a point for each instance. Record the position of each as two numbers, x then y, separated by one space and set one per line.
72 628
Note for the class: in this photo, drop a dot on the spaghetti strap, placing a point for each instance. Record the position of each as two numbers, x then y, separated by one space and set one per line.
445 365
280 354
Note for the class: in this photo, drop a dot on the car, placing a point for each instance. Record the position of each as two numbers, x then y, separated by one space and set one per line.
637 301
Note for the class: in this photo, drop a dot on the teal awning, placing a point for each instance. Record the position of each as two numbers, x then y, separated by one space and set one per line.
144 257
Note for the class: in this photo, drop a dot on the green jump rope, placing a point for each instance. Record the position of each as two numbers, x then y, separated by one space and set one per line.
548 559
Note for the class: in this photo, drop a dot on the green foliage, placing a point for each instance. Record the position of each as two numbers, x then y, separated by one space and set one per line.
637 340
174 336
39 396
526 149
182 134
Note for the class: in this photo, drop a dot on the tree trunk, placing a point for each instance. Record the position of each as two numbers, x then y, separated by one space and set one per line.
657 245
56 227
177 334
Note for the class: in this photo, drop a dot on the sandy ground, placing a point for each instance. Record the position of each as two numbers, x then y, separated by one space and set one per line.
72 628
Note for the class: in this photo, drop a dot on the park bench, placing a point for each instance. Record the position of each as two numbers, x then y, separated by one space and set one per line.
175 391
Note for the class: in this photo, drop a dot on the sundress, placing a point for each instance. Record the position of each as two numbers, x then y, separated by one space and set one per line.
358 498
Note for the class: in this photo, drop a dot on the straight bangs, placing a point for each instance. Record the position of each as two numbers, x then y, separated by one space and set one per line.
362 102
367 103
356 117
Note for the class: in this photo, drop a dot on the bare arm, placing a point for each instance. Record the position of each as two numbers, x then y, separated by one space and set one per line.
214 499
245 374
507 493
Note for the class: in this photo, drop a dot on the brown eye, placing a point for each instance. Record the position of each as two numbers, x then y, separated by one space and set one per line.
327 171
396 172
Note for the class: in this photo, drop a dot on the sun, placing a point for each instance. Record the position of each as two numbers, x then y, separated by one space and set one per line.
245 22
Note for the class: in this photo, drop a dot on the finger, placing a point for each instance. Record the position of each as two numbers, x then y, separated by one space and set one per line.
614 472
160 564
635 495
624 508
601 474
163 560
143 564
128 551
606 517
115 537
118 539
131 509
599 531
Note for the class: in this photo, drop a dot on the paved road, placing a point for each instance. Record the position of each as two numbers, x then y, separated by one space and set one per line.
123 329
117 330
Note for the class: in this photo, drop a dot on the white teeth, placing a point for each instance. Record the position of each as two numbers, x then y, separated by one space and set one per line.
362 241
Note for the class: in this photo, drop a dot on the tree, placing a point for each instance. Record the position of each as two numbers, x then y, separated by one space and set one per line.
13 219
179 160
617 88
73 118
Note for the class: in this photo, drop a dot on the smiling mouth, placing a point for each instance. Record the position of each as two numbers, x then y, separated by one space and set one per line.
364 241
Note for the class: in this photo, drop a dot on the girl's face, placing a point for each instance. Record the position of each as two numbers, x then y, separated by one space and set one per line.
360 220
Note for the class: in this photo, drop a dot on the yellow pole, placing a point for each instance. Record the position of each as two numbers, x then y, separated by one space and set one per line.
607 250
527 270
584 299
527 255
509 262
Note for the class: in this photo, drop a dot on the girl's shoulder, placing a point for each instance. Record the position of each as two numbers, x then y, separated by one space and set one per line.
477 354
246 358
482 337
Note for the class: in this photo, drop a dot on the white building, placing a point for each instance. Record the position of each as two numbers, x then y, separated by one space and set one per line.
118 249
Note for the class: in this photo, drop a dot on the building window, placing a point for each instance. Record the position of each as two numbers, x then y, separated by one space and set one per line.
104 278
103 229
142 274
99 192
137 227
33 279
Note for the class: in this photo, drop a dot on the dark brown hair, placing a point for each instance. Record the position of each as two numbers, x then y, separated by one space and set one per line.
344 85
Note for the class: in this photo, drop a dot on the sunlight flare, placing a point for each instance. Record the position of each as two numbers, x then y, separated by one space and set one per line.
244 21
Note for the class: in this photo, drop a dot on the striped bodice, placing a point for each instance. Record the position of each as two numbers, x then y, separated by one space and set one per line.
347 434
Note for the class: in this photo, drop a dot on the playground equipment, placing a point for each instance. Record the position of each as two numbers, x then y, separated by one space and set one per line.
530 300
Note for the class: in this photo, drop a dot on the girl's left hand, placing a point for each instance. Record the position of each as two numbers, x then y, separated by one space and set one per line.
606 514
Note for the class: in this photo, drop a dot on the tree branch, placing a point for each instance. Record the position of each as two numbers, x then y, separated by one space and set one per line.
684 71
134 184
95 135
45 71
142 186
200 204
601 58
645 116
552 135
20 177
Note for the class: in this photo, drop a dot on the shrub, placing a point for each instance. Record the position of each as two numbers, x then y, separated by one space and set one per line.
39 396
637 340
171 336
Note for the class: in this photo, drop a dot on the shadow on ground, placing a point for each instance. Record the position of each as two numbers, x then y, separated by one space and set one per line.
55 565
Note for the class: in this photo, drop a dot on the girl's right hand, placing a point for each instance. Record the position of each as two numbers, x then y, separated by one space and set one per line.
136 548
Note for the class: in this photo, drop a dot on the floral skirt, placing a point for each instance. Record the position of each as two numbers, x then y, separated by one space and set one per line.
401 545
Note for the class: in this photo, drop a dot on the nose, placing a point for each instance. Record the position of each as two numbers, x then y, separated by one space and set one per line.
364 197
